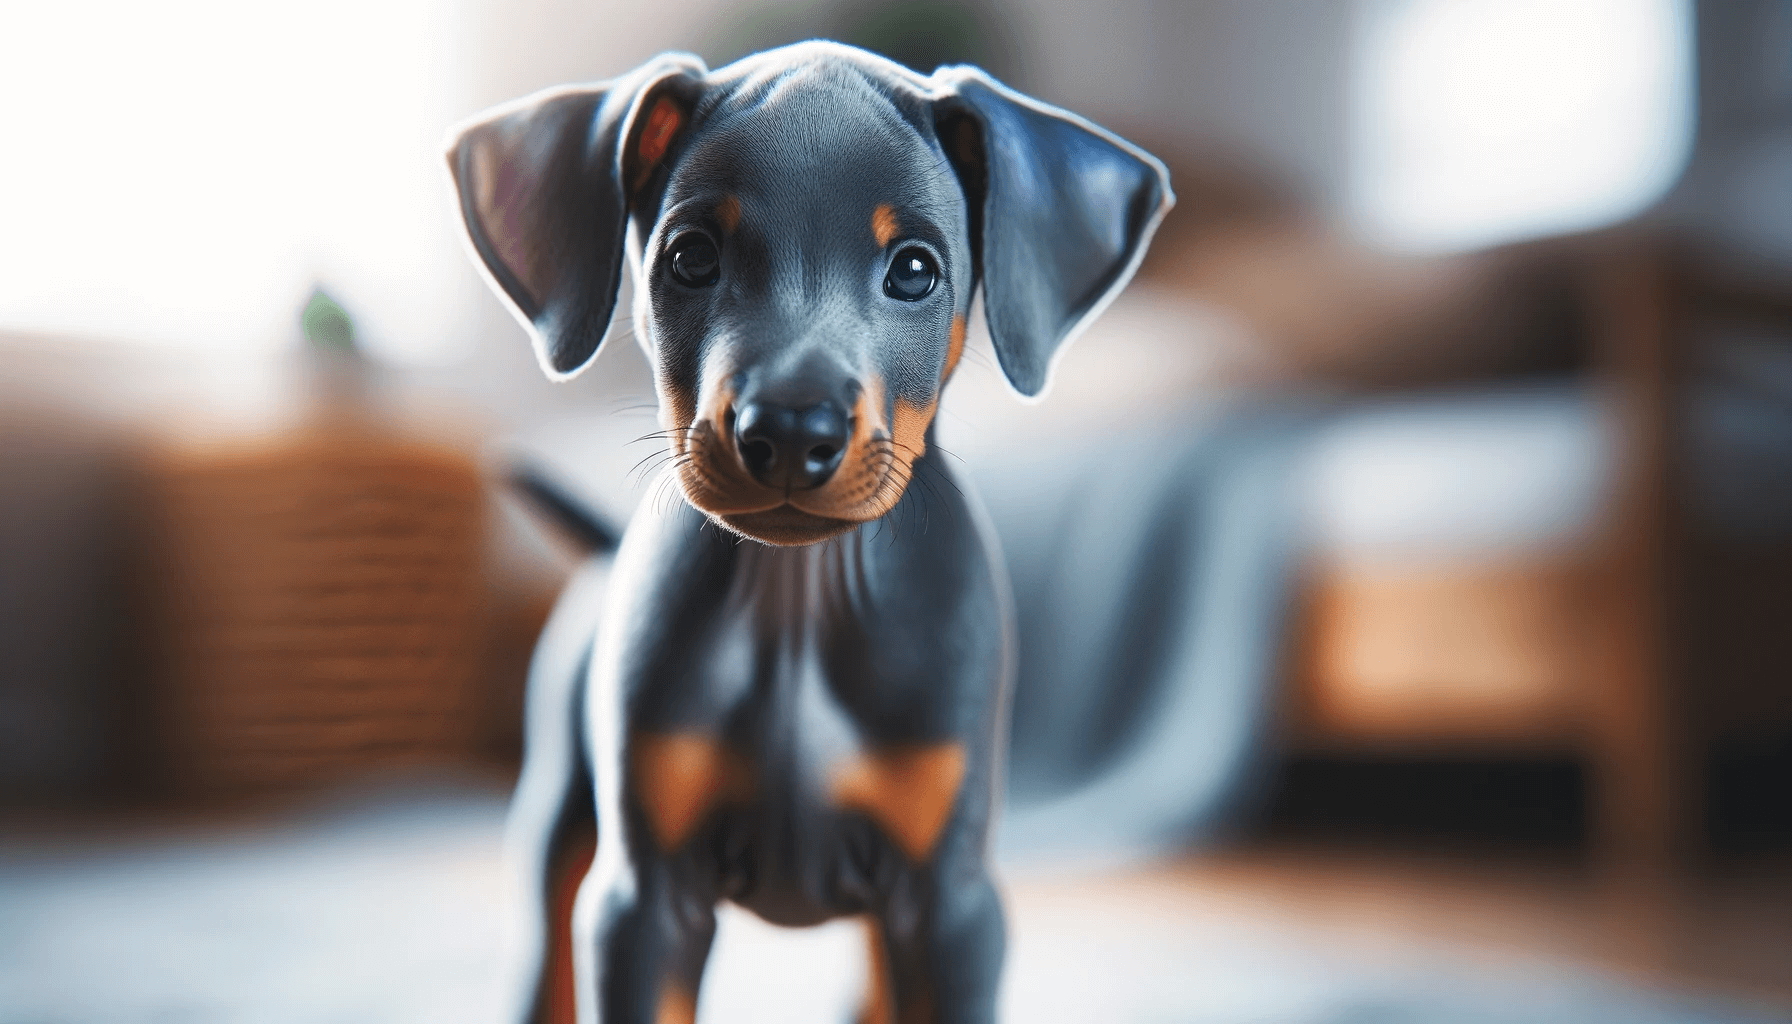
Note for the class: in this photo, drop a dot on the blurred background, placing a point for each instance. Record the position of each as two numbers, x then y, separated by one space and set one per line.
1404 562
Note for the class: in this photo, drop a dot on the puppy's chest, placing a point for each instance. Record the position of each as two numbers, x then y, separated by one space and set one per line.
794 705
799 656
797 675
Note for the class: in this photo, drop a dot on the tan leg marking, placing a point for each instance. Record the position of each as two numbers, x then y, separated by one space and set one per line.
880 1000
883 224
676 1007
570 864
955 347
908 791
680 777
728 213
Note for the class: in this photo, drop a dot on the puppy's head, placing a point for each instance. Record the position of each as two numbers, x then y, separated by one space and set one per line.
805 228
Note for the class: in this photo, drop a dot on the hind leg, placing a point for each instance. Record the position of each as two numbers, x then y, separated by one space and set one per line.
557 997
879 1006
551 840
551 833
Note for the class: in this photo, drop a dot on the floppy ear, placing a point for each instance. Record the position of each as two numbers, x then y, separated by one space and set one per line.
1061 212
545 188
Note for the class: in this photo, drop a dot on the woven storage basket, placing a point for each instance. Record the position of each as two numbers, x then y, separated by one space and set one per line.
317 601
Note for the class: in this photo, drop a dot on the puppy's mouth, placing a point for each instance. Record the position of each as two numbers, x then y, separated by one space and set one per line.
786 525
875 467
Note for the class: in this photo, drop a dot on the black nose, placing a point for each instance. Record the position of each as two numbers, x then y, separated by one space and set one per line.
795 449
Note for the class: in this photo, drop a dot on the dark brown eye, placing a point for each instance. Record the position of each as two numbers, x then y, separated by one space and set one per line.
694 260
912 275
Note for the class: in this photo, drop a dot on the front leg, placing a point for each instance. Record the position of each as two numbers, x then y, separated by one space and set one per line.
642 938
943 939
645 915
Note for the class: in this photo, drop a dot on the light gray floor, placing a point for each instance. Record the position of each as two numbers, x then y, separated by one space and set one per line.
390 911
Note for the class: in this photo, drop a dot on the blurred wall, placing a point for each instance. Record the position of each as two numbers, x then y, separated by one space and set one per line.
1738 188
1263 82
1263 78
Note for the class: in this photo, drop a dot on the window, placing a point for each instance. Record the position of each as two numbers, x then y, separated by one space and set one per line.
180 174
1484 121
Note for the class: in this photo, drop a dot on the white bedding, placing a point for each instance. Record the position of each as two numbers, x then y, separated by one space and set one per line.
1468 475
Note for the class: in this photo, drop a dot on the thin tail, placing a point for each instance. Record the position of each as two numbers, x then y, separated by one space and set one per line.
578 520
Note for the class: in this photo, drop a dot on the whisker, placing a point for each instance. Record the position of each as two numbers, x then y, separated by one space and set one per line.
676 460
942 449
947 477
921 505
666 492
665 435
938 496
980 358
645 459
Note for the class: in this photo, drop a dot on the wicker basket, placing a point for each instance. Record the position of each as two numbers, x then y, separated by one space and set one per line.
317 606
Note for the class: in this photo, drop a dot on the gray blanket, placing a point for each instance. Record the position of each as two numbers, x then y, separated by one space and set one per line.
1151 575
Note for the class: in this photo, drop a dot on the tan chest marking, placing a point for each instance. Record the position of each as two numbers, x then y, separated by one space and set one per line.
883 224
908 791
680 777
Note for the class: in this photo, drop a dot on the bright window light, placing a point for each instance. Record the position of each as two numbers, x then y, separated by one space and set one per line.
181 173
1486 121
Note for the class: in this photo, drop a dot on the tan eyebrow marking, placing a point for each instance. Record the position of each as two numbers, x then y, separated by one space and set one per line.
728 213
883 223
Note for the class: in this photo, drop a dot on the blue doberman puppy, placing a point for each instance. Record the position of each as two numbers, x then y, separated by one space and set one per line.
796 694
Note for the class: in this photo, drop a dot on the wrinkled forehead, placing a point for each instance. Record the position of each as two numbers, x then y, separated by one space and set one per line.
817 145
